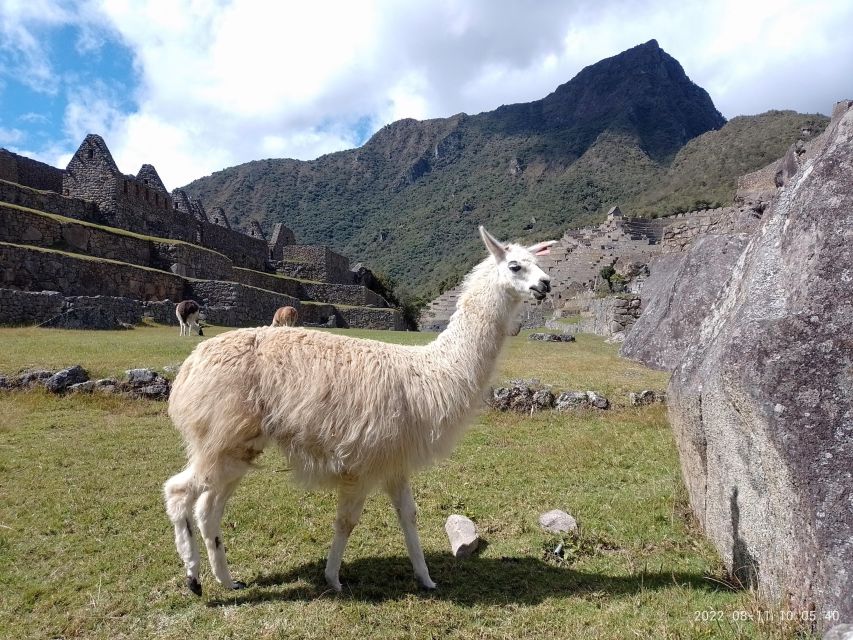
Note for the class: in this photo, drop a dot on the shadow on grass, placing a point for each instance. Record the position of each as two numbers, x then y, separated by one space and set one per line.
469 581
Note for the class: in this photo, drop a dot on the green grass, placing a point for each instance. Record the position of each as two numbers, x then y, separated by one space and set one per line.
86 550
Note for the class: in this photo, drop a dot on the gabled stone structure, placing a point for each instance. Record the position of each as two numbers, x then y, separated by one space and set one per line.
92 174
255 230
151 179
281 236
220 218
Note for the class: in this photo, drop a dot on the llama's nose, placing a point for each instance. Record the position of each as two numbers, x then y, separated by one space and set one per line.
545 284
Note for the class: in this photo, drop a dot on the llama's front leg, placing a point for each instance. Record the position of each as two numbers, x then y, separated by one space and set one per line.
407 513
350 505
209 510
181 493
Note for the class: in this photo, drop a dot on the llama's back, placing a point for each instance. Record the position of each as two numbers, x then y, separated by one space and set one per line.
336 406
339 406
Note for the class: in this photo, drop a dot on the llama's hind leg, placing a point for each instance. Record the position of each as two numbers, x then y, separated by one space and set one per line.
350 505
208 512
400 493
181 493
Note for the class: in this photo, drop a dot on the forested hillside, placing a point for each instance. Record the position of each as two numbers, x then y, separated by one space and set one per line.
409 200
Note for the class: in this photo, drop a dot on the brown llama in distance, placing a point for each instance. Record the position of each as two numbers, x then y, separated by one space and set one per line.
285 317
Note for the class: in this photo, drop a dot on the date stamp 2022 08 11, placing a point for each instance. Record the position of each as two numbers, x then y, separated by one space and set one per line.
769 616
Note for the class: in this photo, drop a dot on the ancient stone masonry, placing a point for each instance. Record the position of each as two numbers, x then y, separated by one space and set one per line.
611 316
21 170
31 269
280 238
315 263
627 244
91 230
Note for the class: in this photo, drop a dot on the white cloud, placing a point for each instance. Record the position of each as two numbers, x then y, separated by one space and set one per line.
10 136
225 82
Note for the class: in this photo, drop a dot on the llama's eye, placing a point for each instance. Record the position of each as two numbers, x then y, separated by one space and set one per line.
514 267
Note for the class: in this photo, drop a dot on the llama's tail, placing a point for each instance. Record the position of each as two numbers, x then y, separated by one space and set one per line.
180 493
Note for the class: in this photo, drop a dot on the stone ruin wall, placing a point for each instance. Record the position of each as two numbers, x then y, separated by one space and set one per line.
574 264
20 226
49 202
57 254
32 269
318 263
611 316
237 305
142 205
22 170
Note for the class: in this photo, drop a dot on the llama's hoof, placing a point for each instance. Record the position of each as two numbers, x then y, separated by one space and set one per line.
238 585
194 585
428 584
334 583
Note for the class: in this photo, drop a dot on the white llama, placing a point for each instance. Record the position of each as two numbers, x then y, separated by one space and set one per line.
347 413
187 312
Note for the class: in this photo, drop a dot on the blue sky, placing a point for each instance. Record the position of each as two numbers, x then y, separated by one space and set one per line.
193 87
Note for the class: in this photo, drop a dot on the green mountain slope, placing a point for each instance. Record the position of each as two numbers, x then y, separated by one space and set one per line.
705 172
408 201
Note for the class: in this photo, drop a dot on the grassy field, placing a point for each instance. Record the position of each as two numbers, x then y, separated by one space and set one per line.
86 550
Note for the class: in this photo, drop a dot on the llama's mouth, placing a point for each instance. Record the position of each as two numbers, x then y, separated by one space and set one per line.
539 295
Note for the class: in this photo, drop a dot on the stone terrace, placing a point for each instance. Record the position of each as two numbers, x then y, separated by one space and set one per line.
120 238
575 262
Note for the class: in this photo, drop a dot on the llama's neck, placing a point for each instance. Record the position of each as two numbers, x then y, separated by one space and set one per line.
472 341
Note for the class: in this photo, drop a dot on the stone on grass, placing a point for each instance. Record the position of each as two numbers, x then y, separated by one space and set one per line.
597 401
571 400
523 399
552 337
105 385
157 391
61 380
462 534
646 397
557 521
32 377
140 376
82 387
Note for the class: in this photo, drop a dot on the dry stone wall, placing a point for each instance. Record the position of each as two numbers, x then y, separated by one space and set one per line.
23 308
243 250
237 305
349 294
343 317
318 263
31 269
90 229
22 170
611 315
22 226
49 202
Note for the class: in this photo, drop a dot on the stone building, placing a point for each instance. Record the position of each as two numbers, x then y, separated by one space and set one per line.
92 231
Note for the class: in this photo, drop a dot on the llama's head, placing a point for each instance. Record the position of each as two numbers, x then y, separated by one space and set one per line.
517 266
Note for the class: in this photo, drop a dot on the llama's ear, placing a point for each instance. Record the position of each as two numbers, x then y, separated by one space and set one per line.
492 244
541 248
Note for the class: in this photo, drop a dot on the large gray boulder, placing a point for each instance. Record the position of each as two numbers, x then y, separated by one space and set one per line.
761 403
681 288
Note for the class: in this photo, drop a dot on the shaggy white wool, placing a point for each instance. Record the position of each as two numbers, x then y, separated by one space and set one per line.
347 413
